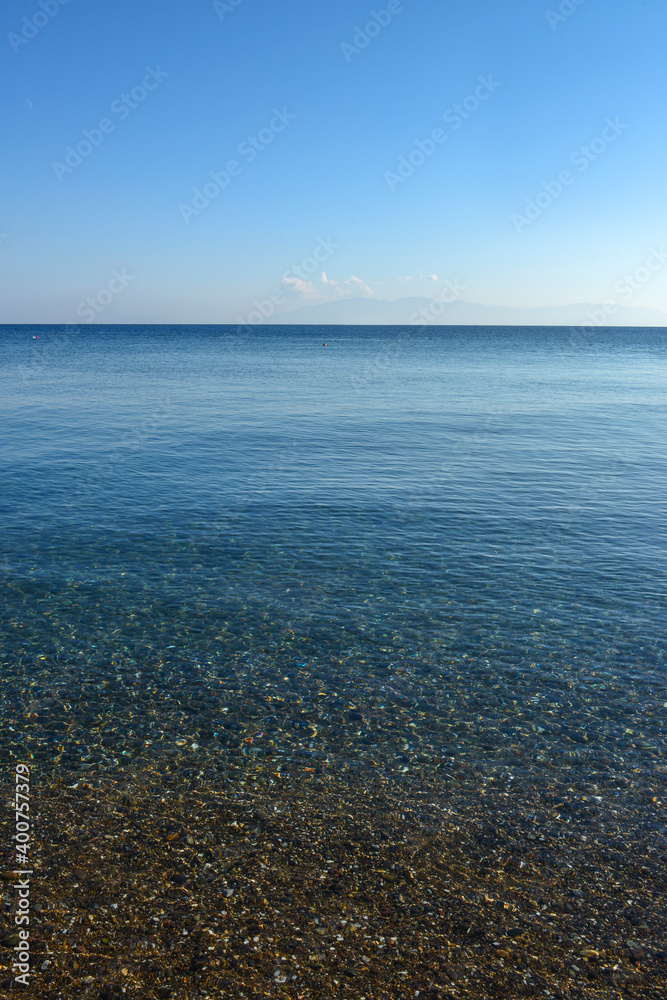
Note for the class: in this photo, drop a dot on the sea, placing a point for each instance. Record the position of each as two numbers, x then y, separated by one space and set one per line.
428 551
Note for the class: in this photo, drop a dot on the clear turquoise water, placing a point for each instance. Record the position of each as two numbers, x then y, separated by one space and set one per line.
458 530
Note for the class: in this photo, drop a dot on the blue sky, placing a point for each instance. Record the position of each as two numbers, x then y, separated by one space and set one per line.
336 123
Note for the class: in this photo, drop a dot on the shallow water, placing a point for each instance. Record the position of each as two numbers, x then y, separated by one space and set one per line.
416 550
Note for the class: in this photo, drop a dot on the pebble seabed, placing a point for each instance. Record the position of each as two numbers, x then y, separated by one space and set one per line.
214 827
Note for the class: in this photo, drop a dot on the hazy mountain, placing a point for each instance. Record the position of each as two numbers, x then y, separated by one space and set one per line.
402 312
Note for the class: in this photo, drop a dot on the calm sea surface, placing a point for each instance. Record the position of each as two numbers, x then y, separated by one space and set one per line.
408 549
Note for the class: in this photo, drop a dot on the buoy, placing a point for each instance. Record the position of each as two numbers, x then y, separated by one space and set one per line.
324 345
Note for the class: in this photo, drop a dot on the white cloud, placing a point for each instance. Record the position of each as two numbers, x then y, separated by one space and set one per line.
359 285
351 285
433 277
297 286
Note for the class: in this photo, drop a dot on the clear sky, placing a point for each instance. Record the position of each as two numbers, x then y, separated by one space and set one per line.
183 86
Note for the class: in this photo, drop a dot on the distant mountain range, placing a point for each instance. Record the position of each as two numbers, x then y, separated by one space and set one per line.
403 312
